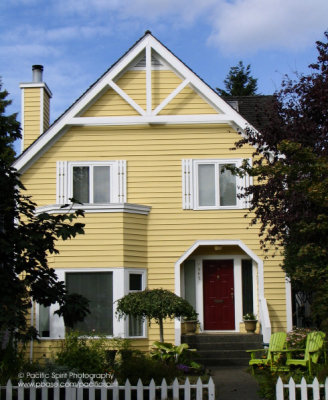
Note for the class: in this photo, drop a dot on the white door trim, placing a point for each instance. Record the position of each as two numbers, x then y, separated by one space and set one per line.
198 243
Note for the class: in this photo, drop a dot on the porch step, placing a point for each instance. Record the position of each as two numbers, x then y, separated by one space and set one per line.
223 349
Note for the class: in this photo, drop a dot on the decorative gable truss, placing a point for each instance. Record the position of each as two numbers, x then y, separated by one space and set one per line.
149 55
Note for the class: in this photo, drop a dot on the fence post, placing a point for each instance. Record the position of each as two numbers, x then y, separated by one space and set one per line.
56 390
304 391
139 390
152 390
316 389
163 389
199 389
292 389
32 390
326 389
115 390
279 389
79 390
187 389
9 390
103 390
127 388
211 389
20 390
175 388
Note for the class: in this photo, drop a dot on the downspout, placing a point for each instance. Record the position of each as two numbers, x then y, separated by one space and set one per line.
32 325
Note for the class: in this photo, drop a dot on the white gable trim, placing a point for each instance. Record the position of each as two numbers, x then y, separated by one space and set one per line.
148 80
152 119
126 97
171 96
148 44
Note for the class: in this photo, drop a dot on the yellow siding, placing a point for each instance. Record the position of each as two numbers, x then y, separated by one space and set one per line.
108 105
100 246
158 240
134 84
135 240
32 97
188 102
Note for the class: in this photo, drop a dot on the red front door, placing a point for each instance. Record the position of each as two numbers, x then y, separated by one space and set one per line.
219 307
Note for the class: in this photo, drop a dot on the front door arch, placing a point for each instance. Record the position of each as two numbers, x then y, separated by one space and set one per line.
199 243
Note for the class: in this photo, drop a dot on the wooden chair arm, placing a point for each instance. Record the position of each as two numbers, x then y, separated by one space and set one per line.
286 350
255 350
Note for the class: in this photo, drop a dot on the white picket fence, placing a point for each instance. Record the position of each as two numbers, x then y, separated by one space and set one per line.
301 389
68 390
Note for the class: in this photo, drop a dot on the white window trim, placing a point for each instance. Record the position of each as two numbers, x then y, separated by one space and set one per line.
52 308
127 290
64 182
57 326
190 193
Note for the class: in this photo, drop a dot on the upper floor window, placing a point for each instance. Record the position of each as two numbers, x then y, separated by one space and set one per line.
97 182
91 183
210 184
217 186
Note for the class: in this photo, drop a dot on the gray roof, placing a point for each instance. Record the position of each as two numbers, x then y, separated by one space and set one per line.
254 109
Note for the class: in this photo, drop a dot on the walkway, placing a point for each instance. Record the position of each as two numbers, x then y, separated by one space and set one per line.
234 383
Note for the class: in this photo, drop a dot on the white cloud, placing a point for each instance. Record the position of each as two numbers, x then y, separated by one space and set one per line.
237 26
186 11
247 26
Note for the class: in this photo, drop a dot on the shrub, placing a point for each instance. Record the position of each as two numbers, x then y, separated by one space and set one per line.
83 354
139 366
180 355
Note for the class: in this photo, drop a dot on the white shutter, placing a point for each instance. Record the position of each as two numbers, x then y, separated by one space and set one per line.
121 178
61 183
247 181
187 185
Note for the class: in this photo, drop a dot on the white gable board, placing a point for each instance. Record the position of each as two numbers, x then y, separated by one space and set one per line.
148 53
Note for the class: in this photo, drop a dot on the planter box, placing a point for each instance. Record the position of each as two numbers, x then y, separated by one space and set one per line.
189 327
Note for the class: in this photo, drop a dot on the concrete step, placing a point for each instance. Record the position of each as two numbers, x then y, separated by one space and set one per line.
223 349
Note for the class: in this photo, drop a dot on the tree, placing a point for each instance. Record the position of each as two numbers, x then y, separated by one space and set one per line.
239 82
157 304
290 194
26 240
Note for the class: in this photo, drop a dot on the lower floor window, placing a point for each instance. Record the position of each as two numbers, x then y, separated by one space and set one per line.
136 284
102 287
97 287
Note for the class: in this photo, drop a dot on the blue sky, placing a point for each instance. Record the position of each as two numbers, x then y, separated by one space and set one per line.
77 40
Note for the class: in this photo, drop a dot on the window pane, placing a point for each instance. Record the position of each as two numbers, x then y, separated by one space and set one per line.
44 321
101 184
97 287
135 326
206 184
190 282
81 184
135 282
135 323
228 194
247 285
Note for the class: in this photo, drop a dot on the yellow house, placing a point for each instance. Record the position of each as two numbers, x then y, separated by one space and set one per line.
144 148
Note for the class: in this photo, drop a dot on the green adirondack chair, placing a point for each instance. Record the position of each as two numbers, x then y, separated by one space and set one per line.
313 349
271 354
